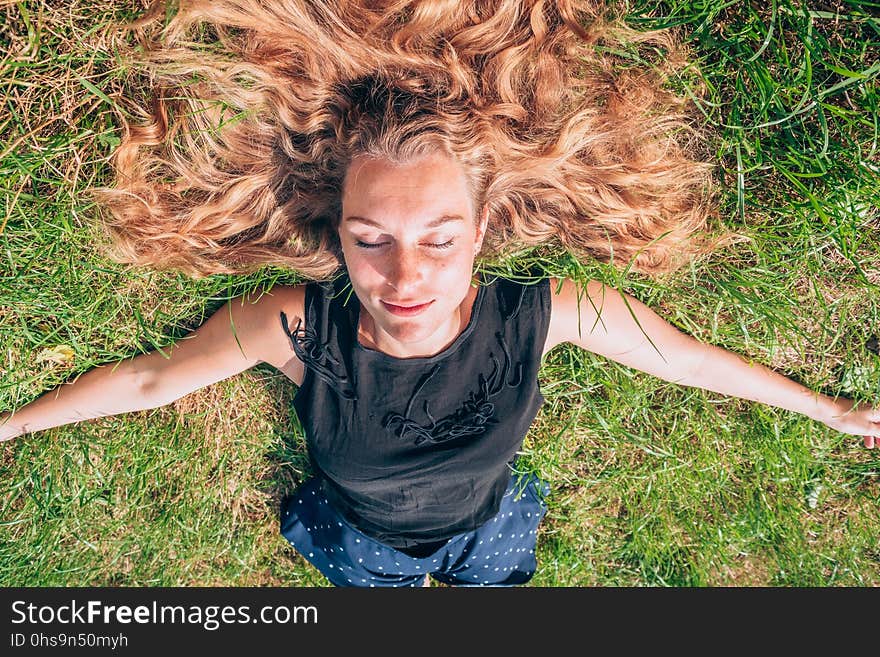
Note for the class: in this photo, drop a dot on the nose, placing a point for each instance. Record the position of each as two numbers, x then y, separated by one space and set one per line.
406 272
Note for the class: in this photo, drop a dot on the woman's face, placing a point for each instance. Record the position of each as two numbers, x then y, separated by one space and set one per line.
409 239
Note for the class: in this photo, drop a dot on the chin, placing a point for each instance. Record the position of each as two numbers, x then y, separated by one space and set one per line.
409 331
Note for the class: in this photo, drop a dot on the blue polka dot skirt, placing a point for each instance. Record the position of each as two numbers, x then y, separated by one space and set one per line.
499 553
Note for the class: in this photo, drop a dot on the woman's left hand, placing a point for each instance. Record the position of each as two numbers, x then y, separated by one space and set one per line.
863 421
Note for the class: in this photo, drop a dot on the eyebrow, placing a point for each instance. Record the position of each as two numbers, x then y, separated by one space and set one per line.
439 221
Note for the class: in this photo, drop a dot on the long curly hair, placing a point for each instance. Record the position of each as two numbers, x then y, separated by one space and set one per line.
239 158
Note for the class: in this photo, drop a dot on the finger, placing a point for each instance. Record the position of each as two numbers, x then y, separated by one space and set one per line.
869 441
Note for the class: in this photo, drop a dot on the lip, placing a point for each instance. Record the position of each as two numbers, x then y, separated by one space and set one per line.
408 310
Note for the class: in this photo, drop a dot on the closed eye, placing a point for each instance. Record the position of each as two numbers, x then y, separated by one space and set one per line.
376 245
441 245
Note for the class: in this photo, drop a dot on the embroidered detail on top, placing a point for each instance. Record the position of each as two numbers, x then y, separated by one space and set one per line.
317 356
476 414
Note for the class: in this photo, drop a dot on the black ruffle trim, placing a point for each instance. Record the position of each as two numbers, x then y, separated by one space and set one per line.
318 357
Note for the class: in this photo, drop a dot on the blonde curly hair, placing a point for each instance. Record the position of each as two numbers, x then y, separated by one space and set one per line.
259 106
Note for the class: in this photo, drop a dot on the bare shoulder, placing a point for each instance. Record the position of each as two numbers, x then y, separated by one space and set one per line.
289 299
568 302
283 304
611 323
245 331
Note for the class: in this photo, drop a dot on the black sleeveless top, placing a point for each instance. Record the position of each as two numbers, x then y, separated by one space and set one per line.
413 451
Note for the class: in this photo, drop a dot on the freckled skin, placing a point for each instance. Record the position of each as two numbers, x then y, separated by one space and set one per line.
410 262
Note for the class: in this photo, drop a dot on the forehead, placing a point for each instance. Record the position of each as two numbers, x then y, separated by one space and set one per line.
434 178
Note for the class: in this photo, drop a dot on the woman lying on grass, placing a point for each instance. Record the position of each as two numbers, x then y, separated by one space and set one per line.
381 150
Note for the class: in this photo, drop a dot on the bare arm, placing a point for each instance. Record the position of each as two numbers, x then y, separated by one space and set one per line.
104 390
620 327
730 374
242 333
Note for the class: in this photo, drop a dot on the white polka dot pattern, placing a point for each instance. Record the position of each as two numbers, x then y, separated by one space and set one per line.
503 547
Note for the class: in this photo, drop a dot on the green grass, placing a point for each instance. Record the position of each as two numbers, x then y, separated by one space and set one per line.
654 484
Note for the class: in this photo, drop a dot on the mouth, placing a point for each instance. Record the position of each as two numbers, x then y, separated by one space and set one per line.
408 310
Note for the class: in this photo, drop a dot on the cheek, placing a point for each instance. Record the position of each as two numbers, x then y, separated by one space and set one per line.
359 269
455 272
450 274
363 272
